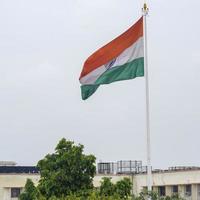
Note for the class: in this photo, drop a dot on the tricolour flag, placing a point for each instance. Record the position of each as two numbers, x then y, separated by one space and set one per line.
121 59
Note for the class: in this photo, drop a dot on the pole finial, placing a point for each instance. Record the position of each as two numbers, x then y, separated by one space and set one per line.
145 6
145 9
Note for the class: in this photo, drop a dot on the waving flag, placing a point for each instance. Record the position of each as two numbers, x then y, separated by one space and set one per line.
121 59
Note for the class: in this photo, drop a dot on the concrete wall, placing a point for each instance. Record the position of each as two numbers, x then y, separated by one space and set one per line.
8 181
168 179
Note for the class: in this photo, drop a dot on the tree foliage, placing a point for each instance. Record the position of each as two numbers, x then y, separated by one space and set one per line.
67 174
121 189
107 188
67 170
154 196
30 191
96 196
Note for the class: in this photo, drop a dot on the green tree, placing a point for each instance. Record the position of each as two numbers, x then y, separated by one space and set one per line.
107 188
68 170
123 188
154 196
30 191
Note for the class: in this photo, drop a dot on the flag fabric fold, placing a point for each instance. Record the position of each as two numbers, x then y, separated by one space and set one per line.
121 59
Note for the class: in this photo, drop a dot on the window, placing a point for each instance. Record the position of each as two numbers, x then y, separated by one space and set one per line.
145 189
198 189
161 190
174 189
188 190
15 192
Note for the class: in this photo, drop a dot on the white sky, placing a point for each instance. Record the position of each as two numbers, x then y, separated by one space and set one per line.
43 44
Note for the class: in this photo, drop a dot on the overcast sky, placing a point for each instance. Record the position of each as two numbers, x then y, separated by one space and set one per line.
43 44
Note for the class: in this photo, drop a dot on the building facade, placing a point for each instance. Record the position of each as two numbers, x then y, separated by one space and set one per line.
182 180
13 179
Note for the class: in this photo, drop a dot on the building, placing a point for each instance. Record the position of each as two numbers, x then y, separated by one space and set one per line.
13 179
182 180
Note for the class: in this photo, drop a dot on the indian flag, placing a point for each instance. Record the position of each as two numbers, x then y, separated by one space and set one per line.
121 59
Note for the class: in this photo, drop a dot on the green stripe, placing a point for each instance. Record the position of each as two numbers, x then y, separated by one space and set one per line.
88 90
124 72
127 71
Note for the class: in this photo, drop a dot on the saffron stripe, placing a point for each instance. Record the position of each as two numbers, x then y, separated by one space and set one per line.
114 48
135 51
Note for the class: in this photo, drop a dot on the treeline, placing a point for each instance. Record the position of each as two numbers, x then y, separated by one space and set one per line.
67 174
106 191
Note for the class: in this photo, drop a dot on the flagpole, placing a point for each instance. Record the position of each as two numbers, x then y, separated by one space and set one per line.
149 172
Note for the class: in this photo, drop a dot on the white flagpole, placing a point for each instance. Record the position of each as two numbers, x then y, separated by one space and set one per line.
149 173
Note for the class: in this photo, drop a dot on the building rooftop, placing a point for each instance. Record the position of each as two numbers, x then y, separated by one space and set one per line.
136 167
7 163
177 168
19 170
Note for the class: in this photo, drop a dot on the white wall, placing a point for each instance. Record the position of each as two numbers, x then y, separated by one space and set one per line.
179 178
8 181
168 178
